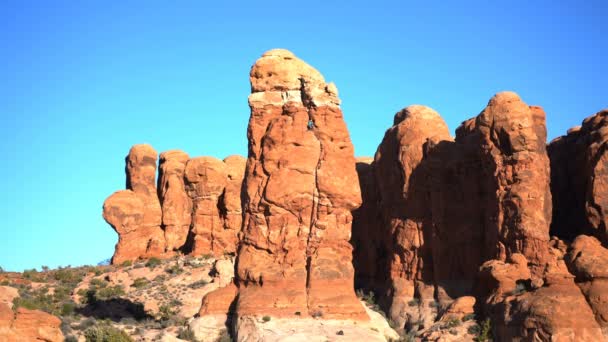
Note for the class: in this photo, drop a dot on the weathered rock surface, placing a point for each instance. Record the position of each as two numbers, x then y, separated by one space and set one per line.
587 259
255 329
301 185
175 202
442 207
28 325
135 213
579 180
196 210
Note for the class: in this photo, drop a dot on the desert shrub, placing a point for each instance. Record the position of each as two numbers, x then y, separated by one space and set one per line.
1 269
140 282
67 309
153 262
198 284
468 317
453 322
317 314
99 283
175 269
433 304
485 331
33 275
207 256
186 334
68 275
4 282
109 292
70 338
127 263
87 323
106 333
266 319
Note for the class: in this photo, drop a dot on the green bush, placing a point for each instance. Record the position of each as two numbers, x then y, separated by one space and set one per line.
127 263
266 319
106 333
175 270
187 335
468 317
97 282
68 275
67 309
453 322
485 331
109 292
224 337
153 262
198 284
140 282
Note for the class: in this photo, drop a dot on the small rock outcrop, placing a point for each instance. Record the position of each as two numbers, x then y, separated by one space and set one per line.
28 325
579 180
301 185
196 209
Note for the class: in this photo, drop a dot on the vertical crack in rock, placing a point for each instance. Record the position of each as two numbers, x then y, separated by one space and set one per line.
300 187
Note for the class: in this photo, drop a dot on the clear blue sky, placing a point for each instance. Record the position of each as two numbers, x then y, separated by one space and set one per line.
82 81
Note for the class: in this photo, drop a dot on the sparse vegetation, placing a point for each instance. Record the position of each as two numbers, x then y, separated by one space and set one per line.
187 335
414 302
109 292
153 262
127 263
175 270
483 332
106 333
140 282
198 284
468 317
453 322
266 319
317 314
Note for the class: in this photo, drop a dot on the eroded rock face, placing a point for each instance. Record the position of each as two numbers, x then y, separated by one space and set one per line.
444 206
579 180
196 210
301 186
175 202
135 214
555 312
587 259
28 325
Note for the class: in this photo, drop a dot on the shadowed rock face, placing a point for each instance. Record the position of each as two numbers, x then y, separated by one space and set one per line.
300 188
196 210
443 207
579 180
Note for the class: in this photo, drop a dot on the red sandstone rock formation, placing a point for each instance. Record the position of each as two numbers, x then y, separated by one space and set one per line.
28 325
448 206
215 189
587 259
175 202
579 178
198 203
135 214
301 185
